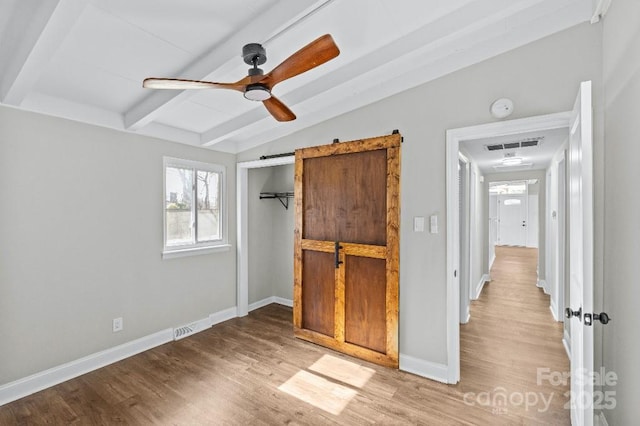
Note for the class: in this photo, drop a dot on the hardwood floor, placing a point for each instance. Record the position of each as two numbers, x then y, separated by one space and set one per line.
253 371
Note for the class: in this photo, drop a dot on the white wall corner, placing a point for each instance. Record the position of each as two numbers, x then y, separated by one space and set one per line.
224 315
478 289
283 301
269 300
566 342
261 303
543 285
421 367
600 9
493 259
554 309
61 373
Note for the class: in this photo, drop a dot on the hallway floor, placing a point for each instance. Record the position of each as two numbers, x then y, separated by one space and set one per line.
513 344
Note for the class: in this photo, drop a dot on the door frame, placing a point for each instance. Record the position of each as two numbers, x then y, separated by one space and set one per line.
242 226
465 249
453 139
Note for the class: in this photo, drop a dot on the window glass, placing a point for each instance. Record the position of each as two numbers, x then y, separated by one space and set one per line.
208 191
178 206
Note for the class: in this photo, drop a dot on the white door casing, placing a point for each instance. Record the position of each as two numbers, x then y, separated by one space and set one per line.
580 194
512 220
242 200
454 137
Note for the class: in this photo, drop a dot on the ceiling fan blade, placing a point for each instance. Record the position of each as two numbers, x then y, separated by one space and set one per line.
316 53
279 110
181 84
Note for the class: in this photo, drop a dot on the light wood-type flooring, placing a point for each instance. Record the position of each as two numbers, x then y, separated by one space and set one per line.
252 371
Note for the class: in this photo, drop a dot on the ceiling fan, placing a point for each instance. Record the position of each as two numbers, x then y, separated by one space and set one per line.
257 86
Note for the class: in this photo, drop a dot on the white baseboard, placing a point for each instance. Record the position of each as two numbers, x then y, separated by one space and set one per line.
45 379
543 285
566 342
601 420
225 315
283 301
480 286
269 300
420 367
554 309
51 377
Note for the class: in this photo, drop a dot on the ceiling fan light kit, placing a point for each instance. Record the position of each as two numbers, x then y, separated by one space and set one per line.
257 92
257 86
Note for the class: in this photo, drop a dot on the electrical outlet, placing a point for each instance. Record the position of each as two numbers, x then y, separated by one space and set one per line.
118 324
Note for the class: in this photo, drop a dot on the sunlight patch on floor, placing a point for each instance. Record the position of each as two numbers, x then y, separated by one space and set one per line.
343 370
319 392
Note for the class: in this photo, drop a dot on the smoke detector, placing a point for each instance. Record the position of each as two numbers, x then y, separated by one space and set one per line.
502 108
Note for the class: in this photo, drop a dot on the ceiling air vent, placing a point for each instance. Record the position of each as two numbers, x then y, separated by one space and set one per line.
514 145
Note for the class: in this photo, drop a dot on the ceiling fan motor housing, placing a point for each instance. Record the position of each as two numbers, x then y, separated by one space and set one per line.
254 54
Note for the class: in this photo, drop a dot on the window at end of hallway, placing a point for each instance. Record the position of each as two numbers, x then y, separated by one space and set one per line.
193 208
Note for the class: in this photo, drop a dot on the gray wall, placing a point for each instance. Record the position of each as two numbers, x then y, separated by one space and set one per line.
260 235
622 244
81 232
270 235
542 77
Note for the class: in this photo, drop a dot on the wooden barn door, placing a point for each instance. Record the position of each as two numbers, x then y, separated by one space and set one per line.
347 247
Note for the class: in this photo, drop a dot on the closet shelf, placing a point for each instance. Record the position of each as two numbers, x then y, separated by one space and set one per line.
283 197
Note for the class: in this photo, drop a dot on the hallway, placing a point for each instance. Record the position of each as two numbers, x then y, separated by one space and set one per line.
510 336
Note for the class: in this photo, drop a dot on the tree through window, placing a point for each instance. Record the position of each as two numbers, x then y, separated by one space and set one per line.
193 211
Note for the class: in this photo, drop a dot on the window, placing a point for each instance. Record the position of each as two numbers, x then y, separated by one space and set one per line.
194 219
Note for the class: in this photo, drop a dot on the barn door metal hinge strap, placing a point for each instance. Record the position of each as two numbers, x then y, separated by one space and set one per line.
337 254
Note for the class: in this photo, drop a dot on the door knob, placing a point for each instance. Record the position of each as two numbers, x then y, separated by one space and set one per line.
568 312
603 317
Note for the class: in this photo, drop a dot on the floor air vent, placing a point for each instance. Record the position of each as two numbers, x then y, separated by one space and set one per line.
189 329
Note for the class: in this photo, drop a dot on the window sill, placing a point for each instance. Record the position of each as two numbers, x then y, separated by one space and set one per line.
194 251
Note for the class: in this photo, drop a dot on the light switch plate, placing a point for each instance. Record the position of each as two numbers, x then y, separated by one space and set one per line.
433 224
418 224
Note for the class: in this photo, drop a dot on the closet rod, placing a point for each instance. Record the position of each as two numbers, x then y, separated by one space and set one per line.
283 197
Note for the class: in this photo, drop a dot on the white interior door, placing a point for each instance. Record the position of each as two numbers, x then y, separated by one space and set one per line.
512 220
581 257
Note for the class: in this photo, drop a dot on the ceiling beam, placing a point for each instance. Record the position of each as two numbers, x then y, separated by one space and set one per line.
414 45
271 23
416 58
40 27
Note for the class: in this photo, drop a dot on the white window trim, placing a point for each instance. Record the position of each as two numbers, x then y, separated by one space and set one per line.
204 247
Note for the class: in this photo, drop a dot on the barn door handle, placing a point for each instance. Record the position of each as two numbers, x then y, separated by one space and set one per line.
337 254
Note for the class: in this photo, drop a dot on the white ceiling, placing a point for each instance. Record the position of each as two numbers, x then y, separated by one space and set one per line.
86 59
539 157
